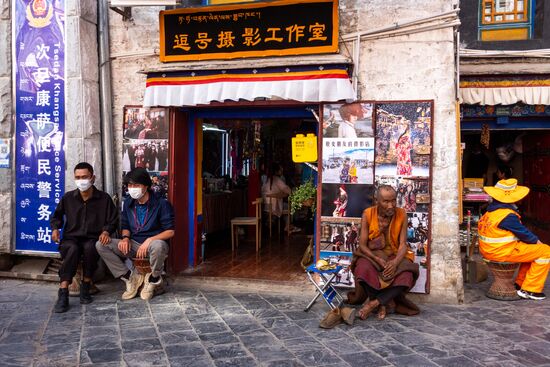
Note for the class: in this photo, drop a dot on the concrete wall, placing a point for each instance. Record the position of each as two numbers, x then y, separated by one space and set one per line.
82 116
419 66
6 124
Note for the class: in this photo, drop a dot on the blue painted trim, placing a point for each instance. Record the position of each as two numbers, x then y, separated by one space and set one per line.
259 113
191 190
511 125
530 23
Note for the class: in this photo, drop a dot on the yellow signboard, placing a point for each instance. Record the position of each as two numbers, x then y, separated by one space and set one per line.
304 148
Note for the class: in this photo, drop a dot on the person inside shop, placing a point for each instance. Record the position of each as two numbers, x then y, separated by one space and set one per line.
274 190
383 267
350 113
86 216
147 223
503 238
504 172
477 164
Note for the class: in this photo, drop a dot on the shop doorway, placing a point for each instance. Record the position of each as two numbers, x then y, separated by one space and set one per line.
236 153
523 154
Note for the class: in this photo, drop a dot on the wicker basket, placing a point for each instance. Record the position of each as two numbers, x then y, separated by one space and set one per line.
142 265
502 288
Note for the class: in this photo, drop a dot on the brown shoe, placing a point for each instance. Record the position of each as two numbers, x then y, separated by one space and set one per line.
331 319
348 315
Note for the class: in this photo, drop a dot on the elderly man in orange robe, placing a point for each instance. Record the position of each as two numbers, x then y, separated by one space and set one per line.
503 238
383 265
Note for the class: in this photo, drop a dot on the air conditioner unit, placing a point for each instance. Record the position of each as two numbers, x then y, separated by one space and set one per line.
128 3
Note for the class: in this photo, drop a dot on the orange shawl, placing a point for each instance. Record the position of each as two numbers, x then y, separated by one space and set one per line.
396 224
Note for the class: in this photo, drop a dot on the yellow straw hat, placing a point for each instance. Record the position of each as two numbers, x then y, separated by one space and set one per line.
507 191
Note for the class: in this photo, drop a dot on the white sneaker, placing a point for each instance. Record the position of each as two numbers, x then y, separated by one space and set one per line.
151 289
132 285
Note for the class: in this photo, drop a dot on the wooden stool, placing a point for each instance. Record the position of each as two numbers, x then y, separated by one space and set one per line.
142 265
502 288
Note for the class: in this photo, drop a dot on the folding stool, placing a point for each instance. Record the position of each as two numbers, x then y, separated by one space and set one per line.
324 287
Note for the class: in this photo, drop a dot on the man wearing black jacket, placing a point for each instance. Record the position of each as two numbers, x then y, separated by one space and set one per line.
85 215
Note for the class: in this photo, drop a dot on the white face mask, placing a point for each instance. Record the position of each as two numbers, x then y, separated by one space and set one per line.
83 185
135 193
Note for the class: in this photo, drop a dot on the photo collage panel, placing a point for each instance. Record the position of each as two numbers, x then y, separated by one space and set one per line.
145 145
366 145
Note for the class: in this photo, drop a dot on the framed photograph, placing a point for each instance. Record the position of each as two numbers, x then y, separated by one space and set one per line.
348 120
345 276
418 242
403 139
346 200
348 160
339 236
149 154
413 194
141 123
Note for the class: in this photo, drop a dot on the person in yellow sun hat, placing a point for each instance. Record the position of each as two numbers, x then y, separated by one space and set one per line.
503 238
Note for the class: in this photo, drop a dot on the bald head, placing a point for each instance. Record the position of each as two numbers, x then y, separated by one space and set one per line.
386 200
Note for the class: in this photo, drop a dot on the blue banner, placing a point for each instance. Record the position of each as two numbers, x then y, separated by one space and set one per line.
39 68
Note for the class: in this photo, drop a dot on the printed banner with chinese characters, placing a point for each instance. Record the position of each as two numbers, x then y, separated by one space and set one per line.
249 30
40 112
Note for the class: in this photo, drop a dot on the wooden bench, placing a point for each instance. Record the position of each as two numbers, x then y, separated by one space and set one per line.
503 288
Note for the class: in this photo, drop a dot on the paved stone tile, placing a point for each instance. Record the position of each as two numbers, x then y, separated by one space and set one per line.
283 363
258 339
138 333
210 327
289 332
227 351
174 326
178 337
100 342
218 338
157 358
141 345
190 362
457 362
193 350
529 357
410 360
317 356
272 352
99 331
101 355
237 362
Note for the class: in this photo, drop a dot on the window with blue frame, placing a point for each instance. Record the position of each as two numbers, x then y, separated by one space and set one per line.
506 20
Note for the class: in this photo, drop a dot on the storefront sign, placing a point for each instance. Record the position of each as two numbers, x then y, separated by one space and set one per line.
304 148
249 30
39 73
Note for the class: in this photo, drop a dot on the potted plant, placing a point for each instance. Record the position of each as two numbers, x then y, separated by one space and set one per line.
304 195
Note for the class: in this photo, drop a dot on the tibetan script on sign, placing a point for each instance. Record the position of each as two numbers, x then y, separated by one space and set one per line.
249 30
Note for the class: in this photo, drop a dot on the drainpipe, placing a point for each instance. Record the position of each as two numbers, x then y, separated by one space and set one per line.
105 98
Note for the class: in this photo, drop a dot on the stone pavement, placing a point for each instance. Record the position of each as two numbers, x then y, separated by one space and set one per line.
208 327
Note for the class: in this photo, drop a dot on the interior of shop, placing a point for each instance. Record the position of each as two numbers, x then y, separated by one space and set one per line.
521 154
240 158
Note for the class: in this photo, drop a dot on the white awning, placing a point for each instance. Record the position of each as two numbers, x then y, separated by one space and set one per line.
320 83
506 91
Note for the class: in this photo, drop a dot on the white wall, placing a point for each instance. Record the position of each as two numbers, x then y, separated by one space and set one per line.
419 66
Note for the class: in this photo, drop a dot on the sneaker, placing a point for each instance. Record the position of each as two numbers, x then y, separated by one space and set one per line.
531 295
151 289
132 285
62 304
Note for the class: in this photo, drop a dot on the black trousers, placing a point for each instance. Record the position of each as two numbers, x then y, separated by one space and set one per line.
71 251
384 296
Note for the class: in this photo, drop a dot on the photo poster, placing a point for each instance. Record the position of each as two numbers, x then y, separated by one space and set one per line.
338 239
403 160
145 144
347 180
